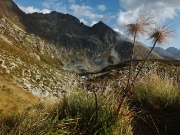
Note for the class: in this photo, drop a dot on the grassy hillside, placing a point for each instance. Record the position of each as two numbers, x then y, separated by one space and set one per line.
153 108
14 99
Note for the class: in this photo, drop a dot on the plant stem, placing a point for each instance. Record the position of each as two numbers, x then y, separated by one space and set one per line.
96 106
143 64
132 57
129 89
120 105
129 76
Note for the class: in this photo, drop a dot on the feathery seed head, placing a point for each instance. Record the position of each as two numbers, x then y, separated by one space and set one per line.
140 25
161 34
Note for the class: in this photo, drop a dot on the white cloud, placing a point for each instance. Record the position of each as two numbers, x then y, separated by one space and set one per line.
127 17
82 20
102 7
93 22
118 30
160 9
31 9
82 11
55 5
133 4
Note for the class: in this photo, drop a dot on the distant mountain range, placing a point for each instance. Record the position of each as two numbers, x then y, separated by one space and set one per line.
76 46
169 53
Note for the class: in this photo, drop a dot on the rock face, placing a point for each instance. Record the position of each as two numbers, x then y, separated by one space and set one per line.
86 48
79 47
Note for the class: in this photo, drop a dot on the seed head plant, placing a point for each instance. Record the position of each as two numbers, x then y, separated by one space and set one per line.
158 35
135 29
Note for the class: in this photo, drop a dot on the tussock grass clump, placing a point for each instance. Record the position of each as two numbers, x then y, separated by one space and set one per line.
74 114
158 93
81 109
157 103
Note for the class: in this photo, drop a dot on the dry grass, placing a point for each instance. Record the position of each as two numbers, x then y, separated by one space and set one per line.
14 99
160 87
22 112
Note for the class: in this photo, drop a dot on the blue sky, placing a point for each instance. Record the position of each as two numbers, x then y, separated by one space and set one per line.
115 13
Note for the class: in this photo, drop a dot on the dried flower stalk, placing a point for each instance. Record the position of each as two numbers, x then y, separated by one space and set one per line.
159 35
135 29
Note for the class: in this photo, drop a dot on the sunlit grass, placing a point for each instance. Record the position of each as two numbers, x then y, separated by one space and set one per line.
14 99
157 103
22 113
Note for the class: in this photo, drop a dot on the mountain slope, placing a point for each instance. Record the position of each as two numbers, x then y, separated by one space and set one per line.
30 62
76 46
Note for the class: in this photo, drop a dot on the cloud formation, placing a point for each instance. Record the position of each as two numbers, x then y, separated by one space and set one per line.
31 9
71 1
82 20
55 5
86 13
160 9
102 7
82 11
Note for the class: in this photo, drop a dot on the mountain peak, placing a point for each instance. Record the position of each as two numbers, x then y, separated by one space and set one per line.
173 50
101 28
100 25
10 10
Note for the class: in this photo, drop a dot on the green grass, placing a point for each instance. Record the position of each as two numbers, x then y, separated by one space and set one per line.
157 104
74 114
153 108
79 113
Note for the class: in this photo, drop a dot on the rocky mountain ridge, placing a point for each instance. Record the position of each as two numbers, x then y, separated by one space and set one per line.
78 47
169 53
